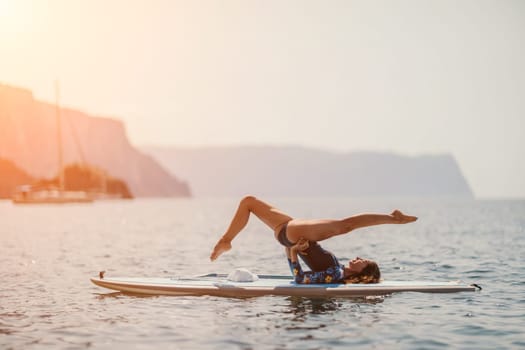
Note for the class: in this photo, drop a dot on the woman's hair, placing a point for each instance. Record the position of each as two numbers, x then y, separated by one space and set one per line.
370 274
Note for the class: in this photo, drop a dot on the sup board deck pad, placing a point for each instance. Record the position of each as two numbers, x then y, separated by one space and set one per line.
218 285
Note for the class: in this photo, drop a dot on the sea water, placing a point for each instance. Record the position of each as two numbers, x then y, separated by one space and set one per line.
48 253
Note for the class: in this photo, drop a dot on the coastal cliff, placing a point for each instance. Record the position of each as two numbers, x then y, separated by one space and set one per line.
28 137
298 171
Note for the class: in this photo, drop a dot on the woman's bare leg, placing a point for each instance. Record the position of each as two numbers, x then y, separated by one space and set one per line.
318 230
271 216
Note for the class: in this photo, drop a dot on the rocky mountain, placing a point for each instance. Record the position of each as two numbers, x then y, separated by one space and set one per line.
297 171
28 137
11 177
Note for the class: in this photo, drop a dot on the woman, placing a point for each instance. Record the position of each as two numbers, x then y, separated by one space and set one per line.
300 237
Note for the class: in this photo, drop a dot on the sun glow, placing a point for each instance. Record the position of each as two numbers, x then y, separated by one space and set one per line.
15 17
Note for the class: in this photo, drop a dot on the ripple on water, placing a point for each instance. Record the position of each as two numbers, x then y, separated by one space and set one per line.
47 301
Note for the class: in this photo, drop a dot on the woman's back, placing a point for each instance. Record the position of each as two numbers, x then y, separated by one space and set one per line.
317 258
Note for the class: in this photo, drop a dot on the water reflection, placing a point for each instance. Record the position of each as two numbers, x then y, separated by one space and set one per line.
117 295
108 295
302 307
6 331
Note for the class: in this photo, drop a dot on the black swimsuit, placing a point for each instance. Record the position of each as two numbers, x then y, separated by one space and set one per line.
281 237
317 258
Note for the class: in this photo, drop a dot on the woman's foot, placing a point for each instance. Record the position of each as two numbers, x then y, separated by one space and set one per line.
402 218
221 247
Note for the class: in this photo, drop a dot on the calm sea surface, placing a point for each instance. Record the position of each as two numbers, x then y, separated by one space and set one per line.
48 253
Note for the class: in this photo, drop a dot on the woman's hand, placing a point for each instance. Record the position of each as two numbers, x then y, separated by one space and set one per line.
301 245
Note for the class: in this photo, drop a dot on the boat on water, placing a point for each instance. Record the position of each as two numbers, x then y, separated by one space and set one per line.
29 194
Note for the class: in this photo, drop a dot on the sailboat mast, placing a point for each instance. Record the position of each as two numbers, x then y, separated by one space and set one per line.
59 139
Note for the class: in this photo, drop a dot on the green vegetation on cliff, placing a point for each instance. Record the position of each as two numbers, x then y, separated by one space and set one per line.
77 177
81 177
11 176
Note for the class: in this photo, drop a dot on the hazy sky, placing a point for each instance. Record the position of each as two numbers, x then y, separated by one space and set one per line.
413 77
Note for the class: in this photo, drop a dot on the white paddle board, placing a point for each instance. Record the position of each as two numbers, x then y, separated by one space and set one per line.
218 285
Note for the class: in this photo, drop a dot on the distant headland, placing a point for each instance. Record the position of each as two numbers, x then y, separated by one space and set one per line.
299 171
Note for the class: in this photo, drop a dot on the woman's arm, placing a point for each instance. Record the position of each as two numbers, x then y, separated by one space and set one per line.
288 253
330 275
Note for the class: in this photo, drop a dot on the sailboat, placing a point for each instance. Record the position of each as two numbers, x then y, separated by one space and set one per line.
28 194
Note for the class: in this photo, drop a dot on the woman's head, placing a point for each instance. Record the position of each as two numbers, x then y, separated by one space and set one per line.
362 271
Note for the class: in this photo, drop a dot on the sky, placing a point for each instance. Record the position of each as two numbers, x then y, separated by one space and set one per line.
410 76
